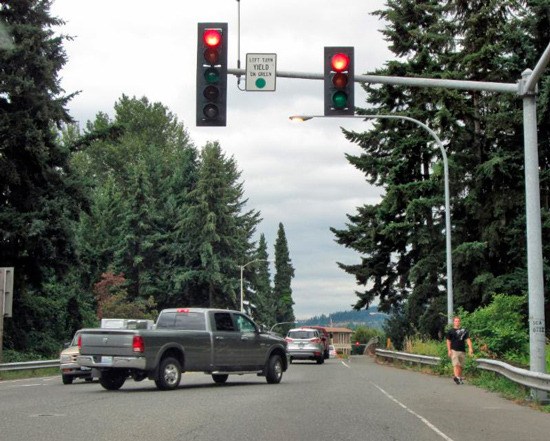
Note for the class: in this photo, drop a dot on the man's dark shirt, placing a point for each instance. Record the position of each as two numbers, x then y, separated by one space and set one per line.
458 338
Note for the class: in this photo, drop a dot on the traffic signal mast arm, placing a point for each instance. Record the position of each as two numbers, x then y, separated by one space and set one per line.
404 81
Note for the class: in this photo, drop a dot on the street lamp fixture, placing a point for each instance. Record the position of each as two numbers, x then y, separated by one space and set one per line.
242 267
450 306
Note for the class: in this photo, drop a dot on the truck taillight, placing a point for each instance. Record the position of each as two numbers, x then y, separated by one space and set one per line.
79 342
288 339
137 344
315 340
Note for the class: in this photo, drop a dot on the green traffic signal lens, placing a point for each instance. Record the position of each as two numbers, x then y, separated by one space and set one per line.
212 76
339 100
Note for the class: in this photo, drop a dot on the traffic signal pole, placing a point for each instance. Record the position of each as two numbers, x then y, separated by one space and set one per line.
526 90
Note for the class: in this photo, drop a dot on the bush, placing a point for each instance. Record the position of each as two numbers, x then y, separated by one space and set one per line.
363 334
500 329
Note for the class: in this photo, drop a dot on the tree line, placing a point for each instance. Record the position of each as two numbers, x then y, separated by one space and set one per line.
131 207
125 216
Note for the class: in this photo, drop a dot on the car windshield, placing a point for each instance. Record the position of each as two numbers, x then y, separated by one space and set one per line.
302 334
74 342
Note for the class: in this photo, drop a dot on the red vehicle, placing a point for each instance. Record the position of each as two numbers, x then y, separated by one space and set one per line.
325 339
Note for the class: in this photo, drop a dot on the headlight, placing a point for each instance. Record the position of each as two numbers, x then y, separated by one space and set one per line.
65 359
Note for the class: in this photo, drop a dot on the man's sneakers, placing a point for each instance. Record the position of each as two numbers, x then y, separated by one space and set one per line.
458 380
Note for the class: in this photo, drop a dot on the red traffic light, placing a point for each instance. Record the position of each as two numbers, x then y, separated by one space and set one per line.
212 37
339 62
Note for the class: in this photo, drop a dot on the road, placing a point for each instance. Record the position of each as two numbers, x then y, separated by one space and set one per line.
339 400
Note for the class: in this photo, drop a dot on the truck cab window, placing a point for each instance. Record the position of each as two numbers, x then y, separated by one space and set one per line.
166 320
223 321
244 324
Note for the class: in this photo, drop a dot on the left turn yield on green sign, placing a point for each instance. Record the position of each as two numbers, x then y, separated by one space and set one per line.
261 72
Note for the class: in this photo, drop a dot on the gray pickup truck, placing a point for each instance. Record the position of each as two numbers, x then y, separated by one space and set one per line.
217 342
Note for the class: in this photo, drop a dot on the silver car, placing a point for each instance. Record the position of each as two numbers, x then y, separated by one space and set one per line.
305 344
70 369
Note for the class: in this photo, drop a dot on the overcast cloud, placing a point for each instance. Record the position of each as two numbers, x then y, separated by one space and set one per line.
293 173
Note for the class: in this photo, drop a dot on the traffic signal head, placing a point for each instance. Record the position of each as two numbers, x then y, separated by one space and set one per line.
338 81
212 74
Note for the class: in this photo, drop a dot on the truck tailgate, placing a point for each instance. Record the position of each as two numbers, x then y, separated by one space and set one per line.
107 342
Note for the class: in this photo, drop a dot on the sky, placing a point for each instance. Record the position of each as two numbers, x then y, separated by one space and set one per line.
293 173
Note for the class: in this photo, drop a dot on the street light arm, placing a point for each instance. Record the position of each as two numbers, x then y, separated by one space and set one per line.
450 306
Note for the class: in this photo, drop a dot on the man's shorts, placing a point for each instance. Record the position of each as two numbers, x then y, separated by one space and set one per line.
458 358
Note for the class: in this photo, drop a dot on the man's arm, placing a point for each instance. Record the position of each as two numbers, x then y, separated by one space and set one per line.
449 347
470 347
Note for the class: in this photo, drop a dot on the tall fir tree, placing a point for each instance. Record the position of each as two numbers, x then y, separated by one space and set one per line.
39 195
261 293
217 230
284 273
400 240
143 166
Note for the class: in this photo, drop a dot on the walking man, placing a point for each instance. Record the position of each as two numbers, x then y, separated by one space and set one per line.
457 338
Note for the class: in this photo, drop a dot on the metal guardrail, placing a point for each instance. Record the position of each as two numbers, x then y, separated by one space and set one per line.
533 380
42 364
415 358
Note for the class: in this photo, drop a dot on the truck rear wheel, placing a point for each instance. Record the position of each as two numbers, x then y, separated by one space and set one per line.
169 374
112 380
274 369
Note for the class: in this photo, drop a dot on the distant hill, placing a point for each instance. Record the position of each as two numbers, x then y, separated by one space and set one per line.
349 319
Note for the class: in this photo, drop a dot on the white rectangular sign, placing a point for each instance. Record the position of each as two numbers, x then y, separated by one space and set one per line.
261 72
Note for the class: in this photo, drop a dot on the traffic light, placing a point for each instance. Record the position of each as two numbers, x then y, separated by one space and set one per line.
339 83
212 74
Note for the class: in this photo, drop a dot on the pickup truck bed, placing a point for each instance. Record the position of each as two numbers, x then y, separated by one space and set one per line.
216 342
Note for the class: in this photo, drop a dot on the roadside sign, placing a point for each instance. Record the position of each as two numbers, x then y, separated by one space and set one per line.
261 72
6 291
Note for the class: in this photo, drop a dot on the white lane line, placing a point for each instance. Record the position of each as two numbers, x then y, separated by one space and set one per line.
420 417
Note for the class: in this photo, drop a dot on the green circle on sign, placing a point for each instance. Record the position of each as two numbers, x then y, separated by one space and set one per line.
260 83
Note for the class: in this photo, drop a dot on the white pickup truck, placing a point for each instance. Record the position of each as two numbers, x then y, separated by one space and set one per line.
217 342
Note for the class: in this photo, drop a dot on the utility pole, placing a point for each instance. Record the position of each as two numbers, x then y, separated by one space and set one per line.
6 299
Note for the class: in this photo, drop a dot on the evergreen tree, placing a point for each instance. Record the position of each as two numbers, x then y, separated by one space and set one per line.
401 238
39 195
217 232
138 251
142 166
284 272
261 292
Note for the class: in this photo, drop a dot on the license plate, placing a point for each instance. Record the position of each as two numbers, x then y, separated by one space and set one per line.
106 360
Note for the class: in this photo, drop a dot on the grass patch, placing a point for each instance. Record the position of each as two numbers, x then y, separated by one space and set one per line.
29 373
